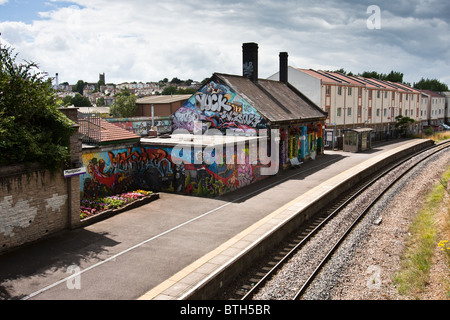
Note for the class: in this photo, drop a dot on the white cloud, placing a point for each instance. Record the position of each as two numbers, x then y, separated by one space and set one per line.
3 2
140 40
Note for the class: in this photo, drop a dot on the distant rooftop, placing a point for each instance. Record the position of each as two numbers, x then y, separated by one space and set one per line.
163 99
100 132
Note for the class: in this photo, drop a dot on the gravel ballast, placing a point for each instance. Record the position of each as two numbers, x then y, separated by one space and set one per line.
363 266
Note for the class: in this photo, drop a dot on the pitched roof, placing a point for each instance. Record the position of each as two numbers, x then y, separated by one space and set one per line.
111 132
329 77
276 101
104 132
432 93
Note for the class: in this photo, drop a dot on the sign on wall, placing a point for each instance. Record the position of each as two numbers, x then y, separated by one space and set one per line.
74 172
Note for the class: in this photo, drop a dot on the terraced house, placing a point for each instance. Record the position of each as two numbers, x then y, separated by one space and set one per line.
355 101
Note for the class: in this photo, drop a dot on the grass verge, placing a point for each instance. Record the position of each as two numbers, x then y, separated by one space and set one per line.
427 233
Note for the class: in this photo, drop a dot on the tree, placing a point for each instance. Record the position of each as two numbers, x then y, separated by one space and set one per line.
123 93
67 101
393 76
100 102
431 84
175 81
79 87
169 90
124 107
80 101
99 84
32 129
403 124
342 70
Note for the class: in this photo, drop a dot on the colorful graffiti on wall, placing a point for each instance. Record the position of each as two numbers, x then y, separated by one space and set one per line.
300 142
221 108
119 171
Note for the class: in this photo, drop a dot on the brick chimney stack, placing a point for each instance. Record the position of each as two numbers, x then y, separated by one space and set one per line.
284 67
250 61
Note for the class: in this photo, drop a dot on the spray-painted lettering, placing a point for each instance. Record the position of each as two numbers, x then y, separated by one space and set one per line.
212 102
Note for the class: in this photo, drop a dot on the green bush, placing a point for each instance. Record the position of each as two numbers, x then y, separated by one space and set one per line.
32 129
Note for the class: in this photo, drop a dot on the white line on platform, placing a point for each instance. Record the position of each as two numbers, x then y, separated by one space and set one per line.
164 233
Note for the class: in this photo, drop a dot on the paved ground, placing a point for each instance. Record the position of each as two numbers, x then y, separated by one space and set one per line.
127 255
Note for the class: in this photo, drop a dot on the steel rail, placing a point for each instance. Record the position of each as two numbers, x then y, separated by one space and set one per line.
358 219
249 295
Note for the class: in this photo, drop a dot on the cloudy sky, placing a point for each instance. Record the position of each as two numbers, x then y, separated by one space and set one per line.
146 40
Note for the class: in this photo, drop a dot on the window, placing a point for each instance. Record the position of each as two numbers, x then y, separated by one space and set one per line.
359 111
378 112
359 92
339 90
369 113
378 94
407 96
384 112
350 91
349 111
339 112
385 94
370 94
328 88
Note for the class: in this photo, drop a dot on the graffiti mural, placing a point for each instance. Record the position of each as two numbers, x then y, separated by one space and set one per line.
220 108
156 169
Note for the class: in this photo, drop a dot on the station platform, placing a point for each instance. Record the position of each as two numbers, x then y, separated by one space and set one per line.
184 247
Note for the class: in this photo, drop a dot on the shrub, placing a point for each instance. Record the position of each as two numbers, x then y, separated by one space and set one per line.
32 129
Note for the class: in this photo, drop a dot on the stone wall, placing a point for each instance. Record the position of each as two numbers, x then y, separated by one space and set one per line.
35 203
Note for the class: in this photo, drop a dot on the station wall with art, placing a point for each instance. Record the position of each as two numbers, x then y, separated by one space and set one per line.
156 169
219 107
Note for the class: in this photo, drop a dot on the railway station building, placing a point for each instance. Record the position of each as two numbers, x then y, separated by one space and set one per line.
234 131
237 130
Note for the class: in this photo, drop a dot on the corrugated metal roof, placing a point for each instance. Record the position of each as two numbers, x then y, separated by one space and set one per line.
276 101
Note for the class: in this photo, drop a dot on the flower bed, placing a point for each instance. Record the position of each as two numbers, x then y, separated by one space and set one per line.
91 207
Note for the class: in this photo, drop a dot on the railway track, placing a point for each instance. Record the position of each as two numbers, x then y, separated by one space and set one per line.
319 238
